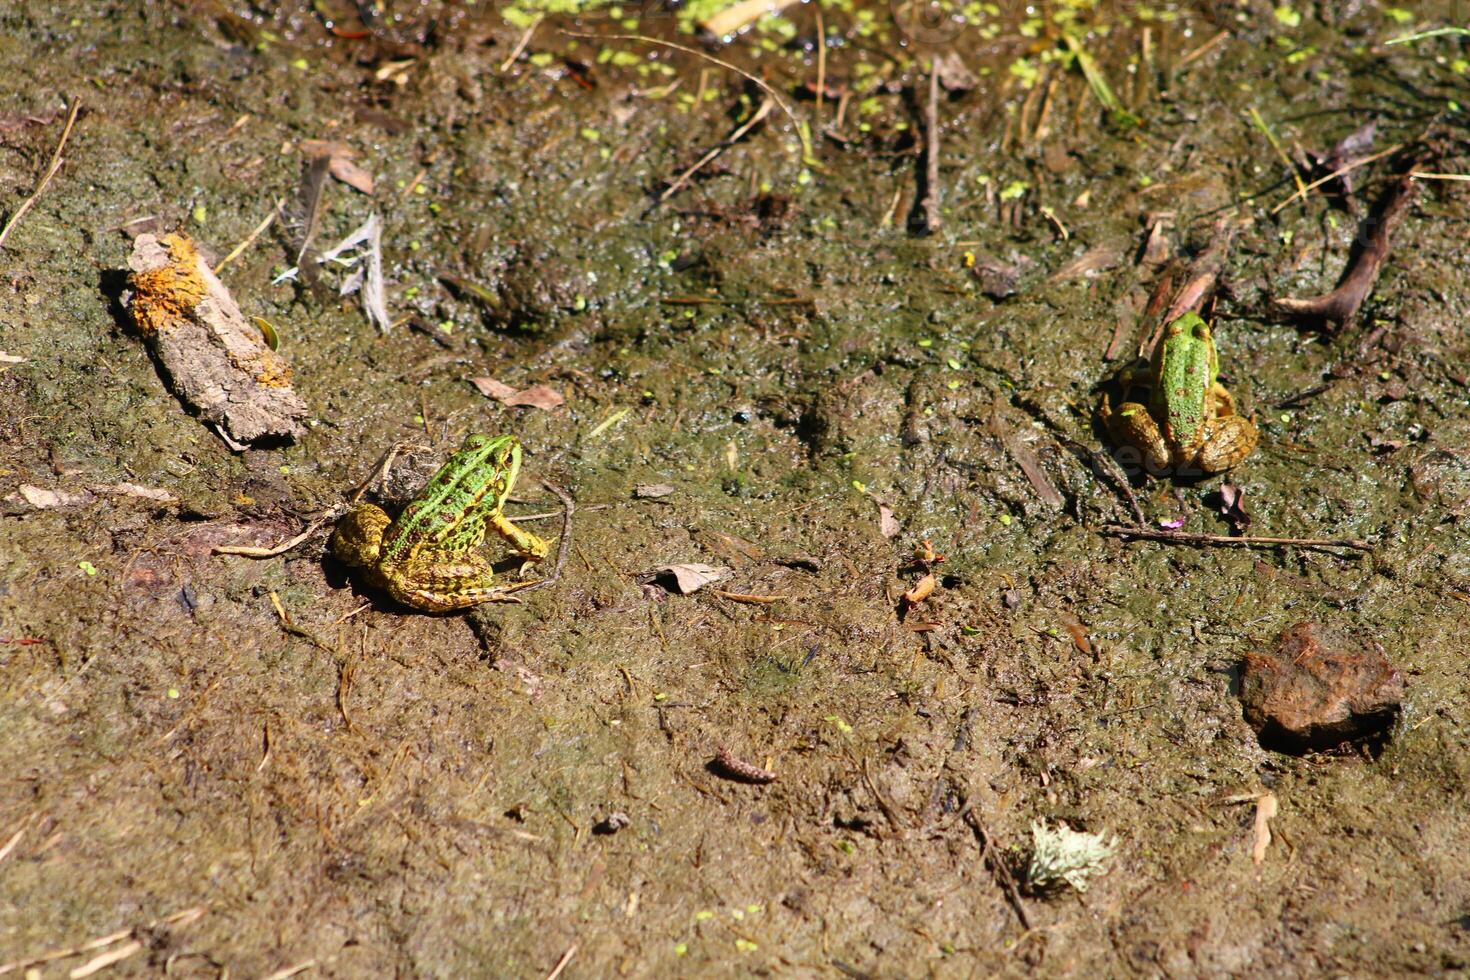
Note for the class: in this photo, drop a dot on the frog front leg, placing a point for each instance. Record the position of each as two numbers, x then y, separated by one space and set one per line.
442 582
1131 425
526 544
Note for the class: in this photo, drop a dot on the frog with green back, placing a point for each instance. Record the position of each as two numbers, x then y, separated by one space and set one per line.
427 558
1189 423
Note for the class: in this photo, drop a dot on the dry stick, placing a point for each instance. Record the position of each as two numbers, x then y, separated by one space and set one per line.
569 507
561 964
51 168
931 151
327 516
1350 165
250 238
521 44
998 867
760 113
1342 303
1185 537
821 68
801 132
184 918
1418 175
1204 271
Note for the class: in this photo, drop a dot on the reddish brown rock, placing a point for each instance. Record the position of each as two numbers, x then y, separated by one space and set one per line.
1316 691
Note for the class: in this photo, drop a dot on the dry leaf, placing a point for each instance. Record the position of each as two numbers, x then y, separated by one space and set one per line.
1232 508
887 524
922 589
691 577
491 388
339 163
652 491
537 396
10 358
134 490
351 174
43 499
1265 811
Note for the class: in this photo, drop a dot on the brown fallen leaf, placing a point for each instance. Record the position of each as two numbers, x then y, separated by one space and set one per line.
1095 259
491 388
1265 812
536 396
42 499
339 163
888 525
691 576
1232 508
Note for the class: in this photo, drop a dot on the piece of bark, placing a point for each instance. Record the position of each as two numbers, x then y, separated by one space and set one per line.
217 360
1315 691
1369 251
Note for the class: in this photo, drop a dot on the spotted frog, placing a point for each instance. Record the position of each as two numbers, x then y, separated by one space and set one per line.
1189 423
427 558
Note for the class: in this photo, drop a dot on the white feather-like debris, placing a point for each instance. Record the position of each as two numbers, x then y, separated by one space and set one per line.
1066 856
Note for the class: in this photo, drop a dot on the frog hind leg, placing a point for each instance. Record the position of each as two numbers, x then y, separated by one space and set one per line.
359 536
526 544
1228 439
1131 425
444 582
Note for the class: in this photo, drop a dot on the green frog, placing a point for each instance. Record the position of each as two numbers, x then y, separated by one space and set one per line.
427 558
1189 423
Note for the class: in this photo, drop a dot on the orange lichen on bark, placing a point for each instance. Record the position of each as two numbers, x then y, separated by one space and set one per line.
163 296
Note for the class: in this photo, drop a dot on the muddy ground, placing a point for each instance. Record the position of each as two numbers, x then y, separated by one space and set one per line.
376 792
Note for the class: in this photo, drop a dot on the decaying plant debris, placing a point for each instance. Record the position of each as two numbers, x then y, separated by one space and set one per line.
218 362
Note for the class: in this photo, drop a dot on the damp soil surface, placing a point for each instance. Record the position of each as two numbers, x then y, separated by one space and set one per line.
219 765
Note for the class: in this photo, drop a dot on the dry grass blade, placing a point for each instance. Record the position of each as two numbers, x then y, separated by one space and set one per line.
1345 168
1186 537
56 161
764 86
250 238
760 113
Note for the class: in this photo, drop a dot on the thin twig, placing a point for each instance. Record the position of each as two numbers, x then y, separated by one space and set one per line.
1301 188
1418 175
561 964
931 151
1350 165
998 867
51 168
563 545
380 469
760 113
801 130
821 68
521 44
1185 537
250 238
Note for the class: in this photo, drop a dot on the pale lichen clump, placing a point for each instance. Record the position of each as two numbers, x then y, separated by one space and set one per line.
1066 856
